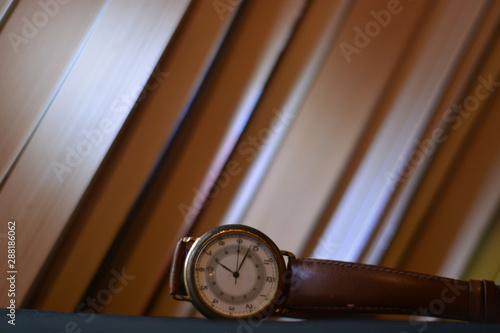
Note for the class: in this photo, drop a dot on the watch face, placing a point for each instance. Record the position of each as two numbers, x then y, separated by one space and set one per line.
234 272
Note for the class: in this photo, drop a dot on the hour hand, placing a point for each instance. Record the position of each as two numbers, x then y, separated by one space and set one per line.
224 266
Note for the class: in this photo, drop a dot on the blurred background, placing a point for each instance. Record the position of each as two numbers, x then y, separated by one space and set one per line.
350 130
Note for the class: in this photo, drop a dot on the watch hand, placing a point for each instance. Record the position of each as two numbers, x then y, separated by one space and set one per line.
237 256
237 261
246 254
223 266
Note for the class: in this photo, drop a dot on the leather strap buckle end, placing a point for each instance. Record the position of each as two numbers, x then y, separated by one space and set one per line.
177 287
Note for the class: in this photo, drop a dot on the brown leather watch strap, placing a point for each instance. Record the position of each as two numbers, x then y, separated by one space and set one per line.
176 282
322 288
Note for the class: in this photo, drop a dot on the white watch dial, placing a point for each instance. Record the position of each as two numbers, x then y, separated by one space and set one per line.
236 274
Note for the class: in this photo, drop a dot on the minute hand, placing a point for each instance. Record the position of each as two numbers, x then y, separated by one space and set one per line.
242 261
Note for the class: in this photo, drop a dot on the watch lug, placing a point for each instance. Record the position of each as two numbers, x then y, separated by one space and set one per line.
290 255
179 297
281 311
188 239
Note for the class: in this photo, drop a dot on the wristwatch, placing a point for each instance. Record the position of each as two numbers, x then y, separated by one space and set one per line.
235 271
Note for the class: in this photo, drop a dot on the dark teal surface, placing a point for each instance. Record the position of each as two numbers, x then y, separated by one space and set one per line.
57 322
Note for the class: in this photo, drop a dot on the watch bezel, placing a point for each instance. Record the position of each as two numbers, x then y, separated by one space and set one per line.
273 304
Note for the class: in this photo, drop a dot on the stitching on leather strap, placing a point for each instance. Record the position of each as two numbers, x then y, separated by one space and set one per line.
375 268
